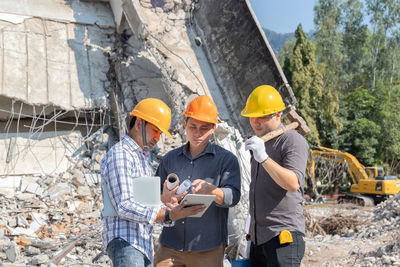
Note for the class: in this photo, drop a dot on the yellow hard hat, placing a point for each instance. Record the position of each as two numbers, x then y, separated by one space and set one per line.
264 100
155 111
202 108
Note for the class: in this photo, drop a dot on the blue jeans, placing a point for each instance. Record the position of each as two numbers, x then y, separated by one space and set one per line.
123 254
273 254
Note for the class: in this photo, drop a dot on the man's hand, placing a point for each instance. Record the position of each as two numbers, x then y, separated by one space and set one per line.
202 187
256 144
167 194
178 211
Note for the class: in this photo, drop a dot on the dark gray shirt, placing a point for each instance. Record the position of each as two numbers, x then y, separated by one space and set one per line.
216 166
272 208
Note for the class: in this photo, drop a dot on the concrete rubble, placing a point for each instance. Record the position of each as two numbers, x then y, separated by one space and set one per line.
50 200
373 241
385 222
36 225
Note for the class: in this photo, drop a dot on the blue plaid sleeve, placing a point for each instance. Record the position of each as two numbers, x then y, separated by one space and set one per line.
122 168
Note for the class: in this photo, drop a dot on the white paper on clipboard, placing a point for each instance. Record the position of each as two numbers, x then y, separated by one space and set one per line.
198 199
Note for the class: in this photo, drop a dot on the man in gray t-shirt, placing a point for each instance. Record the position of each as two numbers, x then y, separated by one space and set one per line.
277 184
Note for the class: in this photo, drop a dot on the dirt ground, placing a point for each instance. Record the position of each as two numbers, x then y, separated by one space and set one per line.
339 250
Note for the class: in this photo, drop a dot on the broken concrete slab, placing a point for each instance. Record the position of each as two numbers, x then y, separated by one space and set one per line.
21 231
80 12
13 264
3 256
80 48
90 215
21 221
29 185
12 252
4 243
59 190
84 191
24 196
31 250
37 222
9 185
40 259
38 155
134 18
46 243
92 178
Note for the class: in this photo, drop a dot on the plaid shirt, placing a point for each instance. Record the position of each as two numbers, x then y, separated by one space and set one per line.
134 223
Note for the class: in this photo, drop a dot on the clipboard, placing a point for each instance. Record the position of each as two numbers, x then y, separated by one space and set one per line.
198 199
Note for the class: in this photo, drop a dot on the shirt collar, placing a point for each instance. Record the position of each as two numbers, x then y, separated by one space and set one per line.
210 149
132 144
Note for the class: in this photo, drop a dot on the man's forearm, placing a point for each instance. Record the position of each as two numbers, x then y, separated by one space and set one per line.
219 199
285 178
161 215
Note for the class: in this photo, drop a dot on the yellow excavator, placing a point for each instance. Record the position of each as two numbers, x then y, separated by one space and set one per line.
369 184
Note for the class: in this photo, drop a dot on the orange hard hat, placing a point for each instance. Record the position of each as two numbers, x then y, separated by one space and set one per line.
202 108
154 111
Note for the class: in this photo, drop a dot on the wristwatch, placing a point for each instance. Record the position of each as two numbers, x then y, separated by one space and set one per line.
167 219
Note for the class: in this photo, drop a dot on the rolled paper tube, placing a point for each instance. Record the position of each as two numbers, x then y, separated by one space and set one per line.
172 181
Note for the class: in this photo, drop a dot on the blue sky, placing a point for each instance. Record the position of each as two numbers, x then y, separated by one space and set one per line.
283 16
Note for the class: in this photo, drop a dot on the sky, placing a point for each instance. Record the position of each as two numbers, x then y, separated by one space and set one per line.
283 16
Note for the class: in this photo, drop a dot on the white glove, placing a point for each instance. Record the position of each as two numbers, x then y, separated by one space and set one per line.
256 144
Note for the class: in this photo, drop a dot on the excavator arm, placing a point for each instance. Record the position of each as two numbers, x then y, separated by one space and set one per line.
356 169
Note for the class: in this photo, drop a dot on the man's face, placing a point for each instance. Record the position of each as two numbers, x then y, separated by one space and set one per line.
152 135
198 132
266 124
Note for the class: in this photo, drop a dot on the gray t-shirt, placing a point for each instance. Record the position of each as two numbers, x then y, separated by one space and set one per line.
272 208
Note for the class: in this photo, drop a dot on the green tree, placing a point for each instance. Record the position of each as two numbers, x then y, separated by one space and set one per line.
328 40
361 133
388 117
385 22
314 105
355 50
394 59
329 53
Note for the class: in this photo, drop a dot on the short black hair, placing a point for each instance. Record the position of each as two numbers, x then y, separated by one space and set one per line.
132 123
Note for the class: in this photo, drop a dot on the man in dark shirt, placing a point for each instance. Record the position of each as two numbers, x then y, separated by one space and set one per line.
213 171
277 184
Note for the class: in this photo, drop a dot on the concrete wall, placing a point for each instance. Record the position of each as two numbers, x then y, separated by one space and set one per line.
53 80
53 52
239 52
44 153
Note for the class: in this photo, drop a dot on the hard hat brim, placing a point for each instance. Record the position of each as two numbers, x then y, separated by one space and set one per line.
149 120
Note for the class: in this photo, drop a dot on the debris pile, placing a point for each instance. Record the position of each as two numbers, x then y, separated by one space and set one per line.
388 255
360 236
386 223
341 221
336 224
55 219
386 218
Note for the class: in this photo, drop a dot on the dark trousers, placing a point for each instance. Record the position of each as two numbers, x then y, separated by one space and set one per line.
273 254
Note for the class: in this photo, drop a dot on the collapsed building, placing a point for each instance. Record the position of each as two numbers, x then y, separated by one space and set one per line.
71 71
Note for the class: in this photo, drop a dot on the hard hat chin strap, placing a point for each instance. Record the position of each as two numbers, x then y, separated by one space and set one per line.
145 147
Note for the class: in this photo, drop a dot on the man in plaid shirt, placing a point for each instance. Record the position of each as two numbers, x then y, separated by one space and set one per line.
127 233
